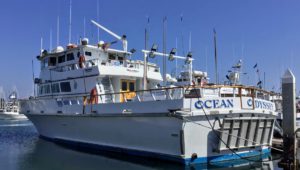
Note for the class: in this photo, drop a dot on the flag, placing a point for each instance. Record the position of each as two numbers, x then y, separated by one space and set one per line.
255 65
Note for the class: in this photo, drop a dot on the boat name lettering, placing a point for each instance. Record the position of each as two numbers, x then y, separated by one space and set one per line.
131 70
212 104
260 104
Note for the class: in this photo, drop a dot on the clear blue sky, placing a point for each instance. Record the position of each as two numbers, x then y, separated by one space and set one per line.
258 31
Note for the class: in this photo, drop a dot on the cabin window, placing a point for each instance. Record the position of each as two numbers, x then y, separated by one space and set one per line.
46 89
52 61
61 59
120 58
70 56
65 87
111 56
66 102
55 88
87 53
46 62
131 86
59 103
40 89
124 86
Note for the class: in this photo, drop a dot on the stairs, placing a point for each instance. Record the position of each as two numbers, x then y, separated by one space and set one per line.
107 86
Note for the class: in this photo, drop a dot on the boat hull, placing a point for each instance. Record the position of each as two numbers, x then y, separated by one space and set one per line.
160 136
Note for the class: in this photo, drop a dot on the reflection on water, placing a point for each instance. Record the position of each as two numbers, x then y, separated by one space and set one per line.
21 149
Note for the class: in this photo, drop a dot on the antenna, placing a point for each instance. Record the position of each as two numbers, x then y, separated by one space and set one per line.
57 33
190 42
123 38
98 30
50 39
182 38
216 58
147 33
176 58
83 27
32 69
41 45
70 22
164 49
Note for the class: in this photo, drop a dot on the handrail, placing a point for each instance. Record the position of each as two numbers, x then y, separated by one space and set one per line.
166 90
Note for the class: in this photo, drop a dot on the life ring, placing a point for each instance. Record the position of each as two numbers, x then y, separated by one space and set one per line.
81 61
93 96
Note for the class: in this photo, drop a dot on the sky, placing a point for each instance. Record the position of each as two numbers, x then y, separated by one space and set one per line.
262 32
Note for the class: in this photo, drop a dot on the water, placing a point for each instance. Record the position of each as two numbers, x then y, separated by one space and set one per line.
22 149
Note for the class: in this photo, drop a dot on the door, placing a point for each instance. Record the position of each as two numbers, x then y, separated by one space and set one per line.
127 90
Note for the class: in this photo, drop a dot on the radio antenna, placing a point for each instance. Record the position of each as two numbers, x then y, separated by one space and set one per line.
57 33
50 45
70 22
98 30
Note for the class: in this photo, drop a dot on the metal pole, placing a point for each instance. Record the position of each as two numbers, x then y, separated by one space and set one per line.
216 58
164 51
145 72
289 120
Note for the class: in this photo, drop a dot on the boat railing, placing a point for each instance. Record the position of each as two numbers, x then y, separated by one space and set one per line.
166 93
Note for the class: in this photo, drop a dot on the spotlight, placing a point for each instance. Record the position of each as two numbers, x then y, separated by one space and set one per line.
132 51
153 49
172 53
188 58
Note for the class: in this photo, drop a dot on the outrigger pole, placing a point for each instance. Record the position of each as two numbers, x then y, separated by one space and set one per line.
123 38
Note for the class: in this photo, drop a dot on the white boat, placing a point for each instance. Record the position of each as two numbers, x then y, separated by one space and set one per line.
10 108
98 97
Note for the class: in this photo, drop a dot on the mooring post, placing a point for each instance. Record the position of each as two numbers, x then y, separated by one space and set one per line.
289 160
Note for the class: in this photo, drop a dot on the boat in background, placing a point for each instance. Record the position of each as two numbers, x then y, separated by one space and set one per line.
10 107
97 97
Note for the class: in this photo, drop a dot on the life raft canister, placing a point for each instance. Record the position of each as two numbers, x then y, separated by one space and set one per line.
81 61
94 96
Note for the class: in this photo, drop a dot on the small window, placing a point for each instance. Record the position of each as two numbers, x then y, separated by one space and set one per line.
66 102
120 58
41 89
59 103
65 87
61 59
55 88
70 56
131 86
111 57
87 53
46 89
46 62
52 61
124 86
74 102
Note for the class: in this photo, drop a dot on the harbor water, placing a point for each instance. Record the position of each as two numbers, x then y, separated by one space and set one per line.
22 149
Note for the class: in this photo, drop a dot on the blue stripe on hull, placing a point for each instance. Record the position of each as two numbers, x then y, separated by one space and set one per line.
221 159
214 160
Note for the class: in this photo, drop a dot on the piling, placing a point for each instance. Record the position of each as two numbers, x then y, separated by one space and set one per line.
289 160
